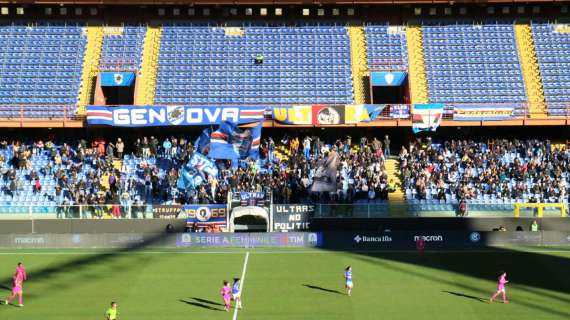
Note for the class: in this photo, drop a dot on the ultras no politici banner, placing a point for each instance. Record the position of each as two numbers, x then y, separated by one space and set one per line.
292 217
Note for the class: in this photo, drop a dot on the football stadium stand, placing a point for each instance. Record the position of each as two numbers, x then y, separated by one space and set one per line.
71 175
205 64
473 63
493 175
552 45
48 69
387 47
417 65
41 65
122 48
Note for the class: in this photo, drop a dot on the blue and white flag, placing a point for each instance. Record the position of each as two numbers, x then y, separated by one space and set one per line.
426 117
201 163
232 143
221 146
188 180
253 151
202 144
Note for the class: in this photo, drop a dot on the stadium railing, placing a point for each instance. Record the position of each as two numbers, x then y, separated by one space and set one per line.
363 210
103 211
38 112
553 111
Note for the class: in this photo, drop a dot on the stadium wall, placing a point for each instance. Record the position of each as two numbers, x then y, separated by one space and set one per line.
441 224
158 226
72 226
359 241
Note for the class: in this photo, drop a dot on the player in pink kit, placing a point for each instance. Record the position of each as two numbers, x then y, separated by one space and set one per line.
226 293
420 246
501 288
21 270
17 289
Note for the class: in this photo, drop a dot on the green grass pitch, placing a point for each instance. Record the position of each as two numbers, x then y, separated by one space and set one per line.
289 284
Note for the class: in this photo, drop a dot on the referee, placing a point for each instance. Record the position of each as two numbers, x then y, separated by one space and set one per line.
111 313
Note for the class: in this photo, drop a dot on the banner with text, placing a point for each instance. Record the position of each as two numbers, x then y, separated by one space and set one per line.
206 214
166 211
292 217
254 199
307 239
325 114
482 113
148 116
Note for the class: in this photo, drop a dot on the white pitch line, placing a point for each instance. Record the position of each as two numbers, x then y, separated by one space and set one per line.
242 280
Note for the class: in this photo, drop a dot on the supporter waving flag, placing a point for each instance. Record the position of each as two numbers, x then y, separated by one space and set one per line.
253 151
201 163
325 177
232 143
202 144
221 146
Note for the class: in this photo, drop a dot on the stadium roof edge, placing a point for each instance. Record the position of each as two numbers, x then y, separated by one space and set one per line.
262 2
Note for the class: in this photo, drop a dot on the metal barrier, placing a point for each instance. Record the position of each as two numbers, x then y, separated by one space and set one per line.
322 210
104 211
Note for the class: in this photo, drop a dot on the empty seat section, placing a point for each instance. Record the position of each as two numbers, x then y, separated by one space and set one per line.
473 63
552 45
387 47
122 48
204 64
40 68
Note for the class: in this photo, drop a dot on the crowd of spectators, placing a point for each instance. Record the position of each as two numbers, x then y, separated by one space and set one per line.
291 167
531 170
87 173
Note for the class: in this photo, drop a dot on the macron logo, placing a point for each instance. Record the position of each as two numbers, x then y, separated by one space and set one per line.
357 238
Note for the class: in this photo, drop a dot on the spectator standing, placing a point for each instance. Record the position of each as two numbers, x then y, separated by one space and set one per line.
110 154
387 146
534 226
145 148
37 186
120 148
462 210
13 188
271 149
174 150
153 145
167 145
307 147
147 187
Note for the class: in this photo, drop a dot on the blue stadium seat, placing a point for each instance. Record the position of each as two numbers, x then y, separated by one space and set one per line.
205 64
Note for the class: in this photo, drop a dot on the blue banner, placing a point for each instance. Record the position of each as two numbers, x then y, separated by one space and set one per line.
255 199
235 240
117 79
206 214
399 111
387 79
149 116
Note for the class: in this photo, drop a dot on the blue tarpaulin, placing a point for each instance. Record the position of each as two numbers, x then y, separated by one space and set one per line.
117 79
387 79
